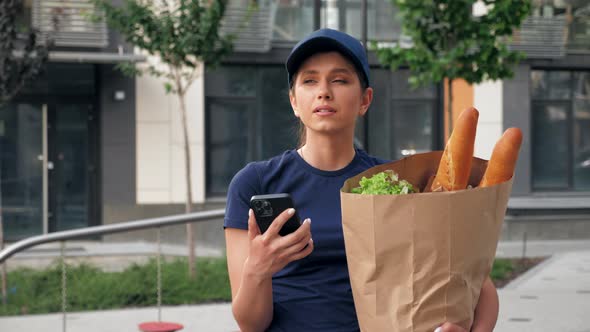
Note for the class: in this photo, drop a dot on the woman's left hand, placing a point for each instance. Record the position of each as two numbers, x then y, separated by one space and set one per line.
450 327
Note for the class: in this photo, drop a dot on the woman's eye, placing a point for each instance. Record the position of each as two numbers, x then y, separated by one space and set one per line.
340 80
307 81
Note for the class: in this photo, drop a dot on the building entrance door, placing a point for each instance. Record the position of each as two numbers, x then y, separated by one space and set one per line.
48 167
71 166
21 170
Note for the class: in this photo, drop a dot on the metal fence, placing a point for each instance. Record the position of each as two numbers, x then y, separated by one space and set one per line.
121 227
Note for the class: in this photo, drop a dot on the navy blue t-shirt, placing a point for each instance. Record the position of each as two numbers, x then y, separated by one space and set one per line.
311 294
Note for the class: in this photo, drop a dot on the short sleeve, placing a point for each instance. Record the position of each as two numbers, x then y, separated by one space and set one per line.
242 187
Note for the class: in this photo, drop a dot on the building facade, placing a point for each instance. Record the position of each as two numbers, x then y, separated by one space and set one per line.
86 145
66 138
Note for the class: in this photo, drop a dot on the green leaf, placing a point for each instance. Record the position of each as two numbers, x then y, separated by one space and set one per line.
129 69
383 183
168 87
448 42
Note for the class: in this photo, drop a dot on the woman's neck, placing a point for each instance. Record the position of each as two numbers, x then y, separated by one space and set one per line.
327 153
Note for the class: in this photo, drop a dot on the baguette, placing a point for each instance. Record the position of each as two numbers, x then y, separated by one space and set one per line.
503 161
455 164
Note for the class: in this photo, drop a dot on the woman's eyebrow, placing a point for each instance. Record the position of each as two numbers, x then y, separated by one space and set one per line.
309 72
341 71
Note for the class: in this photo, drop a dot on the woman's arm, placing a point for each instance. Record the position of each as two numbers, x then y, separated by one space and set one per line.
488 306
486 311
251 295
252 260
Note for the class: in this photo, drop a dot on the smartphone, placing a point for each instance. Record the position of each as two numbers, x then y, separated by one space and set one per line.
267 207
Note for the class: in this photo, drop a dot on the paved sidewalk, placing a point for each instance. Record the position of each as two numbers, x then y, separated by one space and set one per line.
197 318
554 296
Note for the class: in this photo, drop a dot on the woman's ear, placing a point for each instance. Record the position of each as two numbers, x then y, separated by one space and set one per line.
293 101
367 98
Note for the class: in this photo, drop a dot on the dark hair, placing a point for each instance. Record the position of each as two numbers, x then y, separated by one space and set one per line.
301 127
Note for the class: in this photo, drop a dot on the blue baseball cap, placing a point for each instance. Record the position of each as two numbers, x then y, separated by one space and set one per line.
326 40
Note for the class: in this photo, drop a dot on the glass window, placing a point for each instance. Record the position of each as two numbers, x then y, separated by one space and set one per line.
293 19
401 89
64 79
550 150
345 15
278 124
228 143
402 120
70 175
21 171
232 81
412 128
383 24
576 13
581 131
561 130
579 25
242 129
582 85
550 84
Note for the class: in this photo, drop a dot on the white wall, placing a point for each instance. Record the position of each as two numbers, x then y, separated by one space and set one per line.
160 150
487 98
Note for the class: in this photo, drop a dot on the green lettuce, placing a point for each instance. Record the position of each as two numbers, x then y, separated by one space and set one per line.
384 183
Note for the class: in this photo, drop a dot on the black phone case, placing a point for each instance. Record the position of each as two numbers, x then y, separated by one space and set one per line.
267 207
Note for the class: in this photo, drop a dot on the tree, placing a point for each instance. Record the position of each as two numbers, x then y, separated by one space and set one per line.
21 57
448 41
21 60
183 34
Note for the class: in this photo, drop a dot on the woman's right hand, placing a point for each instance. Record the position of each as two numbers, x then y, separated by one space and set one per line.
271 252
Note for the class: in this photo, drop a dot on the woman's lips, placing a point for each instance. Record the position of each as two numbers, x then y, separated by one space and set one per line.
324 110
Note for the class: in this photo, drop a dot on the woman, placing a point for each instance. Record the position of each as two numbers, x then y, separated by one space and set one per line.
294 282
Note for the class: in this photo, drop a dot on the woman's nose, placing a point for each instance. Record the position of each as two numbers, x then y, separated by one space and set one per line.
324 91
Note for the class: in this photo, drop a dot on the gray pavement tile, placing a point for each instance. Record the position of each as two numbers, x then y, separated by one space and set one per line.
538 310
209 317
553 296
562 272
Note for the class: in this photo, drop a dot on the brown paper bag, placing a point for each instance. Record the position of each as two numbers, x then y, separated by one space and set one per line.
419 260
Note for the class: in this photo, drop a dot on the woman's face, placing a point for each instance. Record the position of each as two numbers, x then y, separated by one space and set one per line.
327 94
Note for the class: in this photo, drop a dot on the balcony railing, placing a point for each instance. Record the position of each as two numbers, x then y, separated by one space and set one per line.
67 22
251 26
541 37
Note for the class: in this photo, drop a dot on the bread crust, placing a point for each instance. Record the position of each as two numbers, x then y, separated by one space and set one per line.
455 164
503 160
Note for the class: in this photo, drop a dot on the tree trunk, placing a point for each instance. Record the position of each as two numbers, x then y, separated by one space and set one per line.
190 241
450 105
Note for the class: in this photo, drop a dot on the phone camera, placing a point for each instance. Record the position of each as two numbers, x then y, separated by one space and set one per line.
263 208
258 205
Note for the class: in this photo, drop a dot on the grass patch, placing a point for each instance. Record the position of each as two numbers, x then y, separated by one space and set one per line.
505 270
89 288
502 268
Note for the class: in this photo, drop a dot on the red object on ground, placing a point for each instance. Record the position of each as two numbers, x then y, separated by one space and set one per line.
160 327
